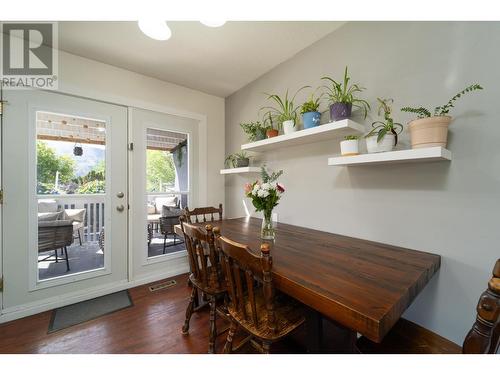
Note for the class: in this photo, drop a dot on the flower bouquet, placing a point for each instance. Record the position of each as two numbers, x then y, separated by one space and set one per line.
265 196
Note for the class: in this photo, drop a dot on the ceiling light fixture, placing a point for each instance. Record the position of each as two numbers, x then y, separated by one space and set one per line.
155 29
213 23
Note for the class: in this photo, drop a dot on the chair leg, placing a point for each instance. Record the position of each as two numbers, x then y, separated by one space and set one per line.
189 312
164 243
228 347
213 328
57 258
67 258
266 347
79 236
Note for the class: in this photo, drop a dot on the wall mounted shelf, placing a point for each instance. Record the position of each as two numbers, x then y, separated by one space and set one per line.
240 170
403 156
332 130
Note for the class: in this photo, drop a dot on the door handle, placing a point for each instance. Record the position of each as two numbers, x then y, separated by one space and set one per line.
120 208
120 194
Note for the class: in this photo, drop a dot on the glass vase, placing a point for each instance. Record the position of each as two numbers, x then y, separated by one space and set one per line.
267 229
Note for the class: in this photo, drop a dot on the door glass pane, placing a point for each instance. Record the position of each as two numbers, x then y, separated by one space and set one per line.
167 182
71 187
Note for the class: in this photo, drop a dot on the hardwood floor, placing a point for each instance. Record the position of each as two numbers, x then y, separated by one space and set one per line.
152 325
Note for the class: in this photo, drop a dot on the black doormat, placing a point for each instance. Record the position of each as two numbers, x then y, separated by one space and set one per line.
80 312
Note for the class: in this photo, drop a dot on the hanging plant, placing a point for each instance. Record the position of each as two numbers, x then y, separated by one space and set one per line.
78 149
177 151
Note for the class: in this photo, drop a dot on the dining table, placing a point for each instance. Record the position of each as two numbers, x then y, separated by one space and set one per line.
362 286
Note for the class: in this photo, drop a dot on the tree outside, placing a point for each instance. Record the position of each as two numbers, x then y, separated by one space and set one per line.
52 166
48 164
160 171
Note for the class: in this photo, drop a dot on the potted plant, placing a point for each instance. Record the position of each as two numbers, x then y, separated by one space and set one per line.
271 131
237 160
430 130
265 195
342 97
310 114
285 111
349 146
255 131
384 135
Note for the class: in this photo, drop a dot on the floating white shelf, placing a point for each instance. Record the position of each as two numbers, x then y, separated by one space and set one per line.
240 170
332 130
404 156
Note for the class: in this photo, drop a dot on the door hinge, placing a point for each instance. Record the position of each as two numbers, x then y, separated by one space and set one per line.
2 103
131 146
1 285
1 196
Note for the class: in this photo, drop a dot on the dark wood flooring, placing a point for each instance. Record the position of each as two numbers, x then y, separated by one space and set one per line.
152 325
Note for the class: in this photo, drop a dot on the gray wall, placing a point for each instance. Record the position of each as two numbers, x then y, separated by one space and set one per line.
452 209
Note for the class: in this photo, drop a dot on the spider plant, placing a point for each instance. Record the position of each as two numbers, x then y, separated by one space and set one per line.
387 126
346 93
285 109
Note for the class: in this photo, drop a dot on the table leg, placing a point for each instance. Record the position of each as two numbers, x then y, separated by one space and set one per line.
327 336
314 329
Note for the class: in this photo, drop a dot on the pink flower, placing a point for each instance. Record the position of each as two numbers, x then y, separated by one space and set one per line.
280 188
248 188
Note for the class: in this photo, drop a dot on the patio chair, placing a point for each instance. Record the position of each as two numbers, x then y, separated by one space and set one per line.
54 235
77 217
169 218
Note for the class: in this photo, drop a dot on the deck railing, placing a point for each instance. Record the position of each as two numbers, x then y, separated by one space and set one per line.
94 208
94 211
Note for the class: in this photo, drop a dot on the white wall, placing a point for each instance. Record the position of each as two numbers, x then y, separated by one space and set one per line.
451 209
95 80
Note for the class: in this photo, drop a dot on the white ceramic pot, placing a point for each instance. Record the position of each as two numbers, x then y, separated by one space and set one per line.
385 144
289 127
349 147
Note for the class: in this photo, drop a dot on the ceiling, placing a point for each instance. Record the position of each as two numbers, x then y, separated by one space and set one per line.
218 61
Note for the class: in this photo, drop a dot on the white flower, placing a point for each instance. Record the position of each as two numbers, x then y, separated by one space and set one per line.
262 193
255 189
266 186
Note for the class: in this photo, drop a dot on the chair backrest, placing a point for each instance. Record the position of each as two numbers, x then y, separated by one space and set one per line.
248 275
53 235
203 257
484 337
203 213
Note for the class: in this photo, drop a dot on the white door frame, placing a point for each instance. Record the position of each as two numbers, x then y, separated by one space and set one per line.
139 121
1 188
62 300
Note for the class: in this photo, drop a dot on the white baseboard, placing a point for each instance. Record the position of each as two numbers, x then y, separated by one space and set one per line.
28 309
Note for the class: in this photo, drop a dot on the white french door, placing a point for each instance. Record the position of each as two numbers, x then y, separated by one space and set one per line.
164 166
38 128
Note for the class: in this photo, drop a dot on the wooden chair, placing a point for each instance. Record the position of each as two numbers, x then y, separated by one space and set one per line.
483 338
253 304
204 213
206 275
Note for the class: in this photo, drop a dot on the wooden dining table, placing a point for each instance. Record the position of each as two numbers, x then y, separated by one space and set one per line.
363 286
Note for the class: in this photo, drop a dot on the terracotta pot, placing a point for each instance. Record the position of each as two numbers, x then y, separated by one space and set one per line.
271 133
429 131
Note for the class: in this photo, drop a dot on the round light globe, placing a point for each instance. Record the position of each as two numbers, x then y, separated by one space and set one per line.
155 29
213 23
